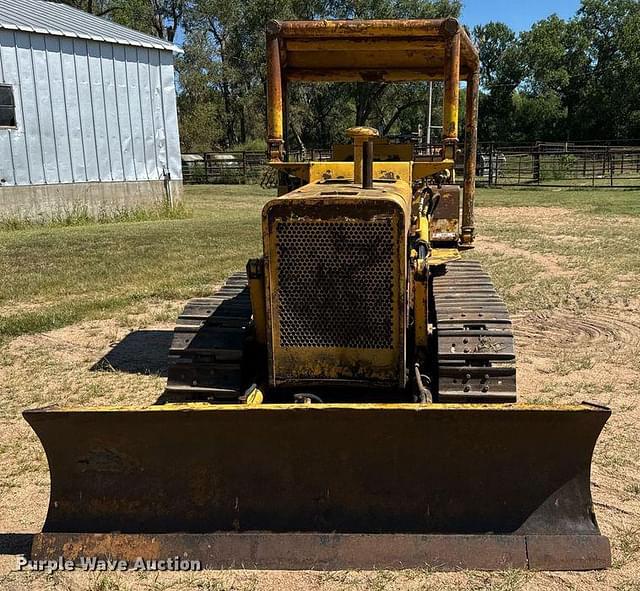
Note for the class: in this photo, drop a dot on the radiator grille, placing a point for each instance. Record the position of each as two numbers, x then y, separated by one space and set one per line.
335 283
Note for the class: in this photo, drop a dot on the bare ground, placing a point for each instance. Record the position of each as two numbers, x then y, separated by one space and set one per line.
565 354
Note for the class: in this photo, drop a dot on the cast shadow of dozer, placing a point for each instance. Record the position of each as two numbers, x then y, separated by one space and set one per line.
142 352
16 544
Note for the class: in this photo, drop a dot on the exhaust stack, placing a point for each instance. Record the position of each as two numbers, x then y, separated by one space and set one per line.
367 165
361 137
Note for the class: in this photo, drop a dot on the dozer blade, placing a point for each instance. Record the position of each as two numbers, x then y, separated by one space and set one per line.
325 485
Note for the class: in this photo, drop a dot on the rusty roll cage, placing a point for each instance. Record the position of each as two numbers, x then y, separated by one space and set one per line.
378 51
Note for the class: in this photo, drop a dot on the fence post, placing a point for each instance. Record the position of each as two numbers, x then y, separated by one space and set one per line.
490 163
611 166
244 167
535 156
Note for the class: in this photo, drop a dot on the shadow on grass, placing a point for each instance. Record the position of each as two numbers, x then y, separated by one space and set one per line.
16 544
142 352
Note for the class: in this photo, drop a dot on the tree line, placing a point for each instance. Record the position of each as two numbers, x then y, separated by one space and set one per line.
561 80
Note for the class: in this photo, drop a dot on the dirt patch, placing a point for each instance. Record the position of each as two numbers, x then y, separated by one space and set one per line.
21 308
544 333
548 217
550 263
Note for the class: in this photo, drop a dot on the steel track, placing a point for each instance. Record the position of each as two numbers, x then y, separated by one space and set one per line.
207 359
474 345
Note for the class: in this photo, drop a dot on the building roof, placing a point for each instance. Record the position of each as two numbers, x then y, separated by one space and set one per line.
51 18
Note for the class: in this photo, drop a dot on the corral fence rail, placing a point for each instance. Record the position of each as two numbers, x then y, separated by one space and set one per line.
223 167
234 167
543 164
559 165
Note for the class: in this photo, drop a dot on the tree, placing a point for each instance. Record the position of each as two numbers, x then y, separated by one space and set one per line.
501 73
370 97
95 7
611 106
497 46
161 18
563 80
560 80
541 105
319 114
201 129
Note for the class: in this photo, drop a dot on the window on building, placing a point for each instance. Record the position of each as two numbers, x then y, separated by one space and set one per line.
7 106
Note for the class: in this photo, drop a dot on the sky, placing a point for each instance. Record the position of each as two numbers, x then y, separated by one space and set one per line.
518 14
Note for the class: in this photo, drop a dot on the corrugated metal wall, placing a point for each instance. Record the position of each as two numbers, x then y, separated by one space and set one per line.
87 111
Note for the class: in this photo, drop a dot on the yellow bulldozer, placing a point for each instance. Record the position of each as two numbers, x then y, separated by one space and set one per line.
350 400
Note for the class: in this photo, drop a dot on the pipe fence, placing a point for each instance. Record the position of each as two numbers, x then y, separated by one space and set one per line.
531 165
559 165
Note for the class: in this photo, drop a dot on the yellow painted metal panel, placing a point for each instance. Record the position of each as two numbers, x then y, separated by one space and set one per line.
382 150
424 169
441 256
255 272
421 307
325 170
321 203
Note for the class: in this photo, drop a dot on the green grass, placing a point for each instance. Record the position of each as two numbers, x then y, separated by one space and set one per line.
58 275
81 215
509 580
593 238
595 201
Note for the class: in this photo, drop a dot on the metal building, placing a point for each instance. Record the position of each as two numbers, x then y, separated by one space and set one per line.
87 112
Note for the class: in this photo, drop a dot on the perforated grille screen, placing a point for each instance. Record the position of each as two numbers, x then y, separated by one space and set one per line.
335 283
